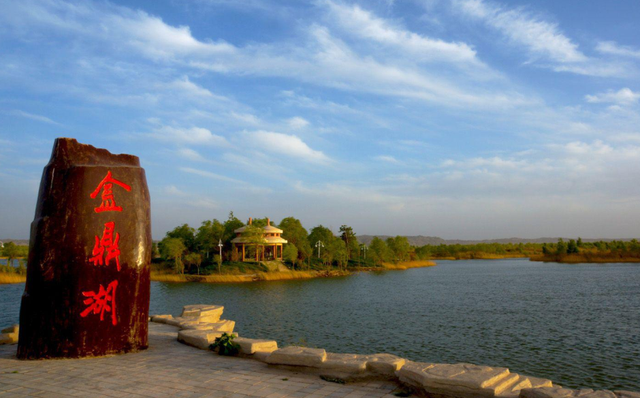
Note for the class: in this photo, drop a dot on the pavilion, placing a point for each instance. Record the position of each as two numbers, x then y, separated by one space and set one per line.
271 237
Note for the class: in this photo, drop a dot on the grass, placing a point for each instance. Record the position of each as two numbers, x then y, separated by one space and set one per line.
408 264
258 276
481 256
589 257
6 278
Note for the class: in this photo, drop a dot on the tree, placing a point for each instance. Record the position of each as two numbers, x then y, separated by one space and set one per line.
208 236
350 240
378 251
217 259
320 234
572 247
338 249
545 249
290 254
399 247
193 259
294 232
254 236
561 247
11 251
173 248
230 226
186 234
579 243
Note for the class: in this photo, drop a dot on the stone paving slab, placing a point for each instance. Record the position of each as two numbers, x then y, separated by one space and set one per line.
168 369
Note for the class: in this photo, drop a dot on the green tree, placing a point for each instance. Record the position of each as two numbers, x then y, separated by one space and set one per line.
350 240
186 234
173 249
294 232
572 247
579 242
208 236
399 247
290 254
254 236
218 260
378 251
320 234
230 226
561 247
338 249
193 259
11 251
545 249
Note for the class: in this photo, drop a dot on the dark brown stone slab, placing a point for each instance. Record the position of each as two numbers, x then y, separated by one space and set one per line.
87 290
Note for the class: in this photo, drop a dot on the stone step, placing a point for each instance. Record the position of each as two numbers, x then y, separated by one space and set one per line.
297 356
222 326
201 339
385 364
507 384
345 363
202 312
253 346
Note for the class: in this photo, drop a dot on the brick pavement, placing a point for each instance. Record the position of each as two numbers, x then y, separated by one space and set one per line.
168 369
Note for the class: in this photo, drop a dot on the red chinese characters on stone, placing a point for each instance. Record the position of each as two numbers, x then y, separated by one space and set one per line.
108 199
101 302
106 248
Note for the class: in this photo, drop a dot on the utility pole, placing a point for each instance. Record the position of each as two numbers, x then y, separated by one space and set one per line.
319 244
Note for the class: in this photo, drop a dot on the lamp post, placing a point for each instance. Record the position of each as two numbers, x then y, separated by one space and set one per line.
364 250
319 244
220 251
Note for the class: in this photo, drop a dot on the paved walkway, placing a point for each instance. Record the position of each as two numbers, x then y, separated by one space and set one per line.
167 369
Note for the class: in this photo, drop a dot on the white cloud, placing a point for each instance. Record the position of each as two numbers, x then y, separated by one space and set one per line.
387 158
187 86
541 38
208 174
33 116
190 154
297 123
288 145
188 136
613 48
366 25
622 97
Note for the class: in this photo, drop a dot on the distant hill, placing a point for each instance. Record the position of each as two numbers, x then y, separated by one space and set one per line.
19 242
435 240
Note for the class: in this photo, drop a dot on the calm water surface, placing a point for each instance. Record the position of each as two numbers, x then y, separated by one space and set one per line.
578 325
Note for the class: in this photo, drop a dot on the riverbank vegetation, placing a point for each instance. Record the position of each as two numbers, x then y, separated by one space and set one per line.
577 251
8 272
207 254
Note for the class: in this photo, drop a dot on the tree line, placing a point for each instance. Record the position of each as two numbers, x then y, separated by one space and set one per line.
188 249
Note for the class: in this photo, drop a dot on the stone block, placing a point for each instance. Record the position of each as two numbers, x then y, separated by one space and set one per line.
385 364
550 392
297 356
161 318
251 346
222 326
203 312
11 329
8 338
345 363
627 394
460 380
414 373
201 339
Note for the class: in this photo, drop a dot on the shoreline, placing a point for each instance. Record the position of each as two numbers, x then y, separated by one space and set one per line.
281 275
586 258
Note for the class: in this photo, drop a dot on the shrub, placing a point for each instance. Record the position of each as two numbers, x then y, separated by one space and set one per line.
225 345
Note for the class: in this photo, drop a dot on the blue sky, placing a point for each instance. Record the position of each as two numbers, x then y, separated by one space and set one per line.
456 118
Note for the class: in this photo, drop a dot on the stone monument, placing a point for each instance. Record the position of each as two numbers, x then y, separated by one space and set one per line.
87 290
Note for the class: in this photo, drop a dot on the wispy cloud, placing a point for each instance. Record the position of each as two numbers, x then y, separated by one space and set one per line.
297 122
188 136
286 145
33 116
622 97
208 174
613 48
544 41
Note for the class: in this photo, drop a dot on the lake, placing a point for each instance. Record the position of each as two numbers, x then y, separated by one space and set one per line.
578 325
